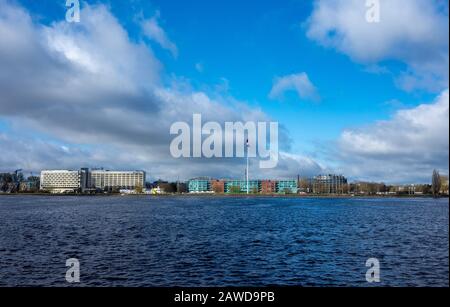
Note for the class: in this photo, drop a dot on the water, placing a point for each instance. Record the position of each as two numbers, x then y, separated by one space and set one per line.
206 241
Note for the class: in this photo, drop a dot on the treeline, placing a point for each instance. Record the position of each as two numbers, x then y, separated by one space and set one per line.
16 182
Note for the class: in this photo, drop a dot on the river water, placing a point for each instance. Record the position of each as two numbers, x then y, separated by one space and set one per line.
218 241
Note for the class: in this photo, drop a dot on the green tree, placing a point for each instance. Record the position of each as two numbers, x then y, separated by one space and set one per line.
235 190
139 189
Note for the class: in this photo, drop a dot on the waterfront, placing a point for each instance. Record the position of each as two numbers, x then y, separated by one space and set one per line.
215 241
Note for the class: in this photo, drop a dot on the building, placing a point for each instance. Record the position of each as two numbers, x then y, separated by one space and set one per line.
65 181
218 186
287 187
30 185
329 184
268 187
117 180
199 185
240 186
233 186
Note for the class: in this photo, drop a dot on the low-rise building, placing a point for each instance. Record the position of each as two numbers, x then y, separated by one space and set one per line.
218 186
240 186
233 186
287 186
268 187
199 185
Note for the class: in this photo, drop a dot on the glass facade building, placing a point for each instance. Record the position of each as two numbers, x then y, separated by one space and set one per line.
287 187
199 186
232 186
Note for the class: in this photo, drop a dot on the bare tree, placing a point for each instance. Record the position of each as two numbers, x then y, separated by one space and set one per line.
436 183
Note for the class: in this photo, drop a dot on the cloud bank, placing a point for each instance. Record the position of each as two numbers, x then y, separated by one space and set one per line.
414 32
97 98
407 147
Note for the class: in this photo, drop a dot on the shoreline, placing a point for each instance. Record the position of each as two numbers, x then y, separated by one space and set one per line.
327 196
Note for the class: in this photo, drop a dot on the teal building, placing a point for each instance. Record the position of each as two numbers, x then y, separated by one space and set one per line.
199 186
287 187
240 186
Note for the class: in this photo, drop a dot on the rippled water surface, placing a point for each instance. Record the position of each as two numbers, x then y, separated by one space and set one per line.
143 241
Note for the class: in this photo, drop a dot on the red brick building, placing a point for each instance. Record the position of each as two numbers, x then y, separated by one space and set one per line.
218 186
268 187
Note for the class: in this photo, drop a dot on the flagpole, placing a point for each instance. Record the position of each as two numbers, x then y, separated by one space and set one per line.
247 168
247 173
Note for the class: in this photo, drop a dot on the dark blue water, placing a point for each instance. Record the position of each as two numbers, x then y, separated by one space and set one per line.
134 241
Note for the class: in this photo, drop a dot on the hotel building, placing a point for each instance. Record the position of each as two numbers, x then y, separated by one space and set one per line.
65 181
126 180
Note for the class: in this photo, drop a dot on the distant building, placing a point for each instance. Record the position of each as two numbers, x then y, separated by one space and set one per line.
32 184
218 186
64 181
287 187
232 186
240 186
268 187
84 180
199 185
117 180
329 184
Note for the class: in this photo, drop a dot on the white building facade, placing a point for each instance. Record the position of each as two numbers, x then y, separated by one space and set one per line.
108 180
65 181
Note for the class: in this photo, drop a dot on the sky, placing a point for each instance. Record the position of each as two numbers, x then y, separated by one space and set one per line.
367 100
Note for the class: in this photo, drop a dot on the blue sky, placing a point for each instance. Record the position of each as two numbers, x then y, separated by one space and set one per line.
239 49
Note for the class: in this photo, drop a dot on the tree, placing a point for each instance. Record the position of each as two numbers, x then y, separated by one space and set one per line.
139 189
235 190
436 183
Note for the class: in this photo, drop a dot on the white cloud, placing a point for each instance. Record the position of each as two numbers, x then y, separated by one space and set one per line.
414 32
95 98
405 148
299 83
155 32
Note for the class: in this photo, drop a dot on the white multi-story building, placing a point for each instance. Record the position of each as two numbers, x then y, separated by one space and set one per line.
61 181
106 180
